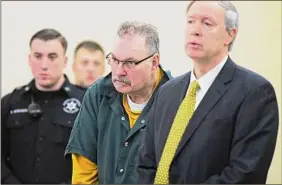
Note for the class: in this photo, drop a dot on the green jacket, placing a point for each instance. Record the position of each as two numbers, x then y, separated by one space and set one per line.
101 132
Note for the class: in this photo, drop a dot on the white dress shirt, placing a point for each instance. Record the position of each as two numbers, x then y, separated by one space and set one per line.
206 80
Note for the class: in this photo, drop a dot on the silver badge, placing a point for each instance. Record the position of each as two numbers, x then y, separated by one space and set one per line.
71 105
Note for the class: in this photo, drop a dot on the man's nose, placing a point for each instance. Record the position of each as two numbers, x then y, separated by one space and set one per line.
196 29
44 64
90 68
120 69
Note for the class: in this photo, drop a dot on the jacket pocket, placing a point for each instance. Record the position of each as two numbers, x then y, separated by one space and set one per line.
62 130
20 128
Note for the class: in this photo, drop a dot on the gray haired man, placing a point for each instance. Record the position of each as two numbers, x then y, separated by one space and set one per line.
216 124
105 141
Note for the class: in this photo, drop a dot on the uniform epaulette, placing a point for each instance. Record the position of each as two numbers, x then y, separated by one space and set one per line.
20 87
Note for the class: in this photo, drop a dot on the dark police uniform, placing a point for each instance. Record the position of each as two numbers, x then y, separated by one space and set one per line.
81 87
33 144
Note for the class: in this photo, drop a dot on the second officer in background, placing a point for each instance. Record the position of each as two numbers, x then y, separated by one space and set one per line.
88 64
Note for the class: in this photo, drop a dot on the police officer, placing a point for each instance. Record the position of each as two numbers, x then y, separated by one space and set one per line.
88 63
37 118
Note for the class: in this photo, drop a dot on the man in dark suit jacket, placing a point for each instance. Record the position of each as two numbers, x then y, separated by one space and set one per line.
232 133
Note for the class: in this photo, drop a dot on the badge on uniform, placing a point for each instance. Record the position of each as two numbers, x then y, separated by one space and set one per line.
71 105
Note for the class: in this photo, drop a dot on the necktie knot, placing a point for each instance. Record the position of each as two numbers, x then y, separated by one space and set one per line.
194 86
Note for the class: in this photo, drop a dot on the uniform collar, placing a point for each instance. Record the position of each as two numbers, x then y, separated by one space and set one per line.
66 87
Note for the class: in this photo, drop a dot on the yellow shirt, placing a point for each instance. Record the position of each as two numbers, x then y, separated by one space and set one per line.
84 170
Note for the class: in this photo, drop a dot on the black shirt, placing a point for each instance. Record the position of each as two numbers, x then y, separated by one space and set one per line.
33 144
81 87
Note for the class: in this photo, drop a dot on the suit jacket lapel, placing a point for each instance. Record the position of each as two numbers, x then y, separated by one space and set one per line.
213 95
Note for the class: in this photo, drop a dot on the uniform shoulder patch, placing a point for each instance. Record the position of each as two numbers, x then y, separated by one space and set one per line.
71 105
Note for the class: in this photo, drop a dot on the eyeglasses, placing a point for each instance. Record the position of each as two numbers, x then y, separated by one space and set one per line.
126 63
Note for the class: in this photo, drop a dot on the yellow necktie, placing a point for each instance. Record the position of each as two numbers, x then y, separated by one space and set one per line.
178 127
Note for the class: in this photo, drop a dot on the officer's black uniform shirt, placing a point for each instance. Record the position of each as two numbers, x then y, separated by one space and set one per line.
33 147
81 87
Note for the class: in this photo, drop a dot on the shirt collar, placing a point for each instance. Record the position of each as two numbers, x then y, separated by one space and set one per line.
206 80
66 87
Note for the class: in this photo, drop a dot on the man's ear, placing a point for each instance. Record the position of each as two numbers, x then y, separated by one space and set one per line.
66 61
156 61
231 34
29 59
73 66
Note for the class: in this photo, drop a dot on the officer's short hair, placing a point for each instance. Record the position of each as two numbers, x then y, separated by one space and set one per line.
89 45
49 34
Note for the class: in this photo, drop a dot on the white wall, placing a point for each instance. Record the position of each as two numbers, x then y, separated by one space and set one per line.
82 20
257 47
